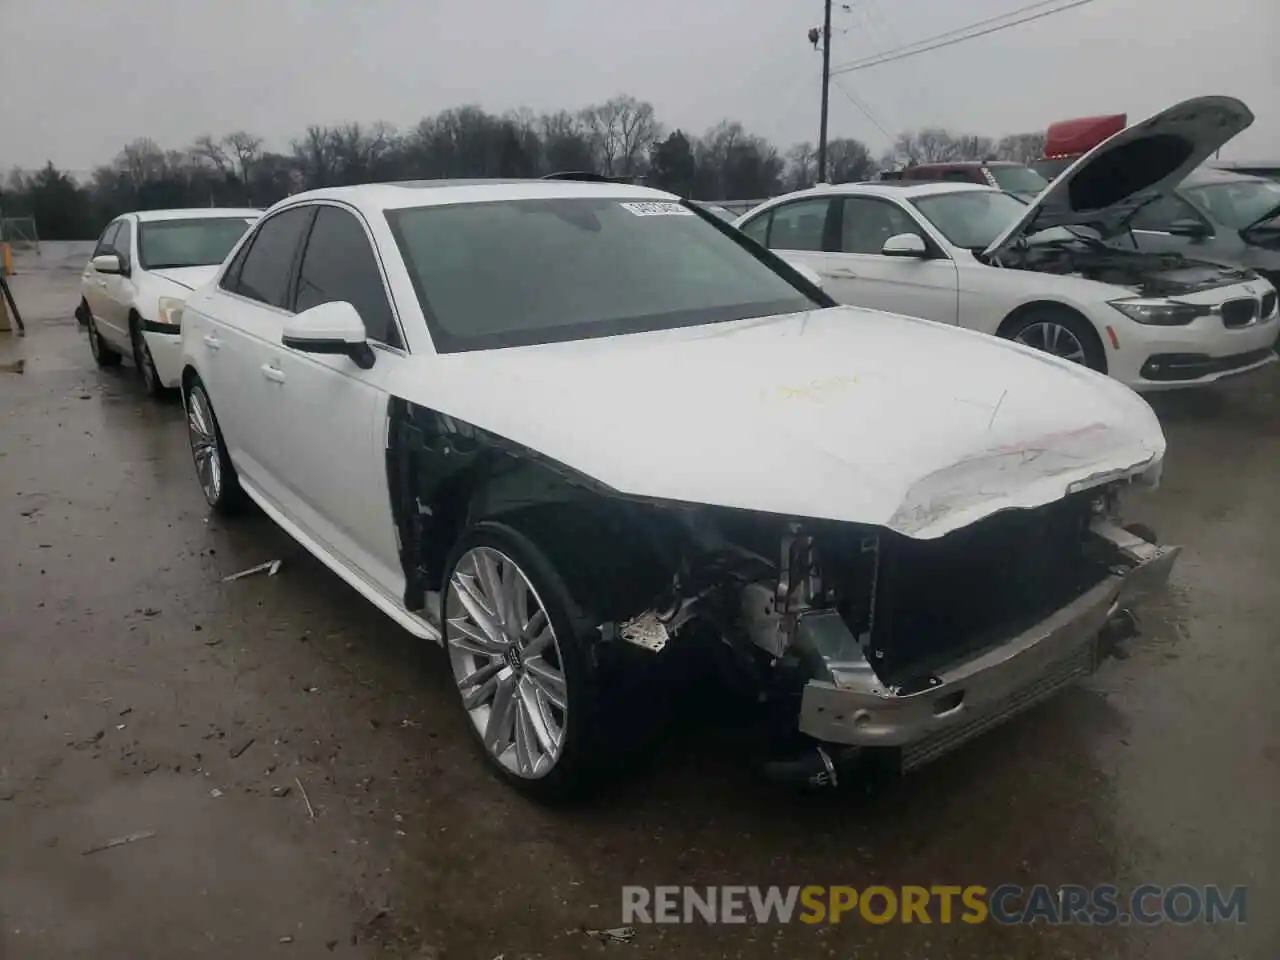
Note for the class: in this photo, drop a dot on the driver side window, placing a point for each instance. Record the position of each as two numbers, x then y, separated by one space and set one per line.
107 239
868 223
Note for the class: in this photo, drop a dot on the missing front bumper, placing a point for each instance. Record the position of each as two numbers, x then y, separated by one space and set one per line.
971 696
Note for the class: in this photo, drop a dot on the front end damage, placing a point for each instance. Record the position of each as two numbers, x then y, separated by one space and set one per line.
850 639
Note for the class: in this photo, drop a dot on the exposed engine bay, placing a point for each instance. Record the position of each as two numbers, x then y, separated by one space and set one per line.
800 613
1148 274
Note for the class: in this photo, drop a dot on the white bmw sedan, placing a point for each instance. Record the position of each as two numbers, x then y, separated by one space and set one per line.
570 430
1062 273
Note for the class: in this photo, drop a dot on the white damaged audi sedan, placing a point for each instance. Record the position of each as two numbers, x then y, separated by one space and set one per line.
570 430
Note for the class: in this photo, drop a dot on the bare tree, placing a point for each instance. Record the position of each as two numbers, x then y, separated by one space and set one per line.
206 149
247 150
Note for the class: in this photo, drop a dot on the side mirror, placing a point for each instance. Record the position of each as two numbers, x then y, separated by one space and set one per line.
332 328
107 263
1190 228
807 272
905 245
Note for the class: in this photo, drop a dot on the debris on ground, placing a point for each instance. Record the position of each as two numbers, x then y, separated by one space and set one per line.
270 568
286 939
280 791
120 841
215 793
240 748
305 799
612 935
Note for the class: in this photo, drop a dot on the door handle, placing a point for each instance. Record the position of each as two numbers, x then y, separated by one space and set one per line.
211 341
274 374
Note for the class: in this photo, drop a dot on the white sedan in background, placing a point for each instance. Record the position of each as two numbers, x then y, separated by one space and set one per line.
141 270
1060 274
573 430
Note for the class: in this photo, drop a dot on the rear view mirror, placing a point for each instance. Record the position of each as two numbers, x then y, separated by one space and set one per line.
1189 228
330 328
106 263
905 245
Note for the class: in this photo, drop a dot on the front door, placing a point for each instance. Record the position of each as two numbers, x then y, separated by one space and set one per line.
327 419
860 274
93 285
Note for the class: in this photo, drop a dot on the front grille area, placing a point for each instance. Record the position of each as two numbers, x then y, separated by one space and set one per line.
1268 305
1061 674
1240 312
1171 367
940 600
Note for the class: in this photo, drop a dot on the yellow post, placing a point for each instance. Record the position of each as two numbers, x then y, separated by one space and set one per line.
6 255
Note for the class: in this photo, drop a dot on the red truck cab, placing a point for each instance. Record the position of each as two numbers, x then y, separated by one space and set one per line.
1067 140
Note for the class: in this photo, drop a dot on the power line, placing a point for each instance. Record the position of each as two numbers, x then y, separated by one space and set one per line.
949 38
864 109
998 18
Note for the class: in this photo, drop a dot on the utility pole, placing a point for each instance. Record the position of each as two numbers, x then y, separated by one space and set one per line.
826 89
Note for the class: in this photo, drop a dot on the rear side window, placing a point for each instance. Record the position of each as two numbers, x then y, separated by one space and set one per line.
266 268
799 226
339 265
1162 214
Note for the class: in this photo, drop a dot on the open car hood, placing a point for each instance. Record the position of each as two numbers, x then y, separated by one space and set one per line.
1128 170
841 413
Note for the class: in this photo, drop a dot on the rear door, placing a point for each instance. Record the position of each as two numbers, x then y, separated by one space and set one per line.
800 231
241 329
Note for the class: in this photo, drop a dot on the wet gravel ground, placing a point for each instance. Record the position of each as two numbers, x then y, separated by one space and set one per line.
312 791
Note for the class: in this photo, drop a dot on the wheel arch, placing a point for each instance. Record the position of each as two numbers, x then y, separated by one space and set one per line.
1021 311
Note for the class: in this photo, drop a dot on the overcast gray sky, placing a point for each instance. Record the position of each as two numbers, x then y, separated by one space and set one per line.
82 77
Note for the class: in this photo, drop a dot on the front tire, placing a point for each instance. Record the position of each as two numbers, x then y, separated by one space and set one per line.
103 355
214 470
1061 332
519 648
146 365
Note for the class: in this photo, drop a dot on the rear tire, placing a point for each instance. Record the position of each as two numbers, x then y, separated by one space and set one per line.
1061 332
103 355
214 470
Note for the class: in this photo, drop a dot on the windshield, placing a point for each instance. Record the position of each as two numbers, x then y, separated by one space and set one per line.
1018 179
1236 203
519 272
188 243
975 218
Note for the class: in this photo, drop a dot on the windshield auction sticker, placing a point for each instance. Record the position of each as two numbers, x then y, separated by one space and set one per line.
656 208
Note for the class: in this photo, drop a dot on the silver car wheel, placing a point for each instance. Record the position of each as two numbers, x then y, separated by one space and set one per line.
1053 338
203 435
506 662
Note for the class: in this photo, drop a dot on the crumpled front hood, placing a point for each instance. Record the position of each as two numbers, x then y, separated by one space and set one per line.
842 413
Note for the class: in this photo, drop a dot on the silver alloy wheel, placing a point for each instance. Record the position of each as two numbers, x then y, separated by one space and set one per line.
1053 338
204 444
142 357
506 662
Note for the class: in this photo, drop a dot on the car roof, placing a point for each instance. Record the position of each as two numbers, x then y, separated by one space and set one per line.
194 213
953 164
373 197
890 188
1208 175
